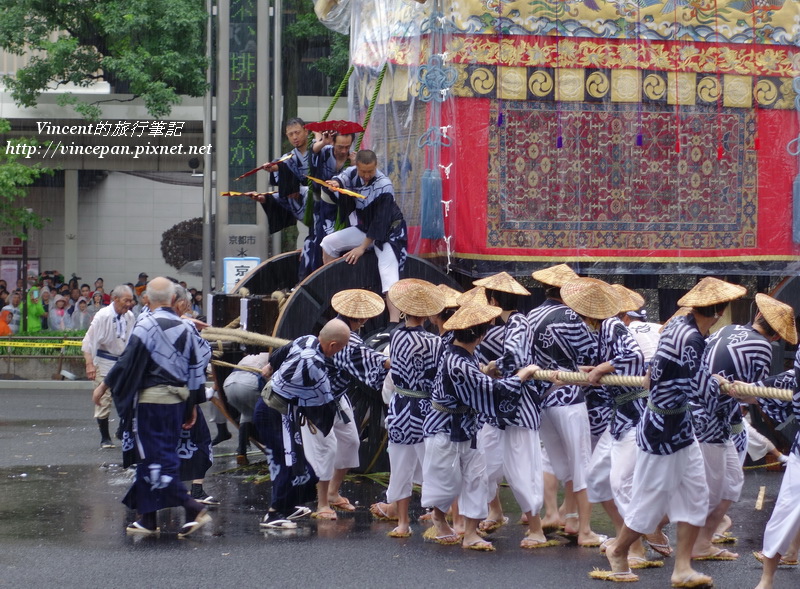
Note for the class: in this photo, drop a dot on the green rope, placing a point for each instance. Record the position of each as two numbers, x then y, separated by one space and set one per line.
308 214
372 104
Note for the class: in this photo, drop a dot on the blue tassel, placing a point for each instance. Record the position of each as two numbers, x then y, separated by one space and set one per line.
431 217
500 119
796 210
639 139
559 142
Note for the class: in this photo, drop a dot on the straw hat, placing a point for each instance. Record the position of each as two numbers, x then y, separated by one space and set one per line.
557 275
591 297
471 315
416 297
503 282
450 295
473 296
780 317
357 303
629 300
711 291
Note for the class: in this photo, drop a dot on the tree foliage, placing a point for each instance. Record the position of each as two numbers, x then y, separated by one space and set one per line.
153 49
302 31
15 177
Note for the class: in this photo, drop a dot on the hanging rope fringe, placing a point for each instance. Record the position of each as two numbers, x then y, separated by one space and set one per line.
372 104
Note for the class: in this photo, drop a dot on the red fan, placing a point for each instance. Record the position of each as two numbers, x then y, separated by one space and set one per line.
340 127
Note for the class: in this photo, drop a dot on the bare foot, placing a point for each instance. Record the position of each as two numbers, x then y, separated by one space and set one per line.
571 524
591 539
617 559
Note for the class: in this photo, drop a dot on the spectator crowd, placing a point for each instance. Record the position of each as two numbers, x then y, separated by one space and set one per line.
56 304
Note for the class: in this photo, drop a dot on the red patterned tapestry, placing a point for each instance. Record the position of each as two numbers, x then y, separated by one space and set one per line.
600 190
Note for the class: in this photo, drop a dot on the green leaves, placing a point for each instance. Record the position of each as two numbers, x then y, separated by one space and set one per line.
154 49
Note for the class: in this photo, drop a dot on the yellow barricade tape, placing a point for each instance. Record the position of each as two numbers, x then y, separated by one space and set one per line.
29 344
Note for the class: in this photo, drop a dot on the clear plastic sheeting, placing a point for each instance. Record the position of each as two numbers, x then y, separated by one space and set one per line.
631 137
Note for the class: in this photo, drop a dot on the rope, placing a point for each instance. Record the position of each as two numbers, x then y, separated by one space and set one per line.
242 337
372 104
580 378
308 214
236 366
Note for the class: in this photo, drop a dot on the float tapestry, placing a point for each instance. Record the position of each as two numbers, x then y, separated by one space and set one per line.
626 135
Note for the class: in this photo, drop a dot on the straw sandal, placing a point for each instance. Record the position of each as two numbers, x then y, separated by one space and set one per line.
492 525
638 562
191 527
721 554
395 534
694 580
618 577
479 545
378 511
784 562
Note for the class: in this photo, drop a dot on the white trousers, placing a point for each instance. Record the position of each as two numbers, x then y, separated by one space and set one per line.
672 485
565 433
598 477
514 453
785 520
623 465
339 449
405 461
453 470
724 475
346 239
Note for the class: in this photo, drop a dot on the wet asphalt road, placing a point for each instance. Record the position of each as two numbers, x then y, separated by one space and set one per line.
61 523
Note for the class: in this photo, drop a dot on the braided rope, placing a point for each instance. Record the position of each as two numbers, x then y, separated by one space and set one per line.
242 337
236 366
372 104
581 378
308 214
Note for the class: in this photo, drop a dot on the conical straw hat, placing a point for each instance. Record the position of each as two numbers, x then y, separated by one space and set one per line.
557 275
416 297
473 296
711 291
357 303
450 295
780 317
503 282
629 300
591 297
470 315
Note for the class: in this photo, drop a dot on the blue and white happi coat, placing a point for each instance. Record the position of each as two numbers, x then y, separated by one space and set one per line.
464 391
617 345
780 411
516 352
678 375
735 352
356 362
415 356
377 214
561 341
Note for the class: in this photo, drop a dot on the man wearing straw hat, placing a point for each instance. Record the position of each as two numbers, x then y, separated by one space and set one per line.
734 353
610 475
454 467
415 355
562 341
512 446
334 454
669 479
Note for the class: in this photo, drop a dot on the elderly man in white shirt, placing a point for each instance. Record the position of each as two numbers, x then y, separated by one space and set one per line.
102 346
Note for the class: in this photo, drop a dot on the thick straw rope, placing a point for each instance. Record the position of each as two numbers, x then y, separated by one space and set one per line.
242 337
578 378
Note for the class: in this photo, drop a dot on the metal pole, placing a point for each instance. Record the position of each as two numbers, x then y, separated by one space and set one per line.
24 273
207 158
277 95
